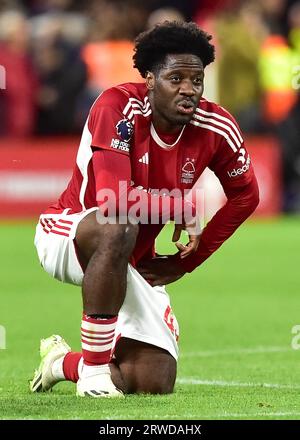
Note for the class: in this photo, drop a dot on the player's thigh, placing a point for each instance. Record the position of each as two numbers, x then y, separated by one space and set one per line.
109 237
145 368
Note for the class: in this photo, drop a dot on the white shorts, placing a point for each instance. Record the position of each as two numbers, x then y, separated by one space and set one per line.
146 314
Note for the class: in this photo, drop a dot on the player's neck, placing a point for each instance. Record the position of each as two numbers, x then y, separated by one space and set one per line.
167 141
164 127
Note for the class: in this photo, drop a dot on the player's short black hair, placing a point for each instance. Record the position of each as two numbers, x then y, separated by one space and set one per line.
171 37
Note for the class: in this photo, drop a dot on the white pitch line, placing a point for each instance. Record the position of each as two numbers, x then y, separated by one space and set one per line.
212 416
199 416
230 351
223 383
251 415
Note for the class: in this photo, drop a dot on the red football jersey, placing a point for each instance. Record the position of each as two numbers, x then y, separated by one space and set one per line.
120 121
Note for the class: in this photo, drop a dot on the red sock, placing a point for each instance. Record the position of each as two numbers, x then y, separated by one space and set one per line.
70 366
97 336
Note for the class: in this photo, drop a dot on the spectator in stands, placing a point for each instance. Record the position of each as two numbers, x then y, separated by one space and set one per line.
160 15
37 7
109 50
273 14
186 8
289 129
281 106
294 26
240 34
62 75
206 8
17 101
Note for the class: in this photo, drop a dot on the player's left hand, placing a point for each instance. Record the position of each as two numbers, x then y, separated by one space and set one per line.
193 230
161 270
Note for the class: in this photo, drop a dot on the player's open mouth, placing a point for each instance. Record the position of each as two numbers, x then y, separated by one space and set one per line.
186 107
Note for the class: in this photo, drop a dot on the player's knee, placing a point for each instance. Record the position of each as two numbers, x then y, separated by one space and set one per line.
145 368
163 388
131 382
150 383
120 239
117 240
156 386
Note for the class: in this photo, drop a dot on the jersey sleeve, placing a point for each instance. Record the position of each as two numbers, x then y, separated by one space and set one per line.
232 165
233 168
109 128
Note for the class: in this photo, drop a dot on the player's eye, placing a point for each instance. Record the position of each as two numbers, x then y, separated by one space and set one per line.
175 78
198 81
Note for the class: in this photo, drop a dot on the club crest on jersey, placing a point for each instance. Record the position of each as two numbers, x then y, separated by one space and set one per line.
124 129
188 171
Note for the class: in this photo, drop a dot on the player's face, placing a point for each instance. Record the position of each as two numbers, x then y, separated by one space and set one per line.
175 90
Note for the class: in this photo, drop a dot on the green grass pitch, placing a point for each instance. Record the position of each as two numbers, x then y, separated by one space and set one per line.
236 315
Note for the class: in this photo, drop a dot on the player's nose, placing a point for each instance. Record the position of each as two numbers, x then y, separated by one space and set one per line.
187 88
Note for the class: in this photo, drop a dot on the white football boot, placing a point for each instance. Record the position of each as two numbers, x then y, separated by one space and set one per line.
51 349
98 384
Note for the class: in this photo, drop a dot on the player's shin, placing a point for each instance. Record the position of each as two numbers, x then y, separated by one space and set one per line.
97 335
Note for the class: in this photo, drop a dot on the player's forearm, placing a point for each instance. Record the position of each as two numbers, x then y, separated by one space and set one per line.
116 196
223 225
154 209
146 208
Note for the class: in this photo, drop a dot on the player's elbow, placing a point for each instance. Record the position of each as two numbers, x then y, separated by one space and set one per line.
250 195
254 198
253 201
248 199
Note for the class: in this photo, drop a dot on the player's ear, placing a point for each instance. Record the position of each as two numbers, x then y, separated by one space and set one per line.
150 80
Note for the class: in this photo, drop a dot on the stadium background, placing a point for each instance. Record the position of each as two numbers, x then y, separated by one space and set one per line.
238 311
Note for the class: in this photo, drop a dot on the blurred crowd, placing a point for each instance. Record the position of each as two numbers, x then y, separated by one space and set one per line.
60 54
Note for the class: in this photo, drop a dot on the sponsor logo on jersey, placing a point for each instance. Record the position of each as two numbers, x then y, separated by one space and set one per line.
241 157
120 145
238 171
124 129
188 171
